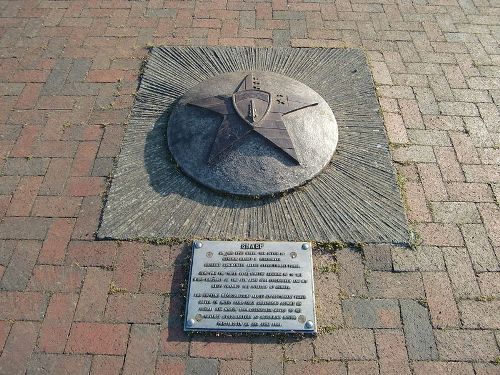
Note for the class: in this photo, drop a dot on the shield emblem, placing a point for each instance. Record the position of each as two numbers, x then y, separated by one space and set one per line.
252 105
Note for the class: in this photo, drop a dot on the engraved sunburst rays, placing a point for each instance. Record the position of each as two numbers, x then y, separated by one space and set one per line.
250 109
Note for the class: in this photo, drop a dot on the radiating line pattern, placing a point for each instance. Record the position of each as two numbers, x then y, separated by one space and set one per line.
356 198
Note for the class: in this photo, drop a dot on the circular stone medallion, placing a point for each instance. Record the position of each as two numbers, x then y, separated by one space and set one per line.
252 133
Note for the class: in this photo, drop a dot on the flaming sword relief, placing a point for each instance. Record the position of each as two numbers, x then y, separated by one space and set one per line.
251 109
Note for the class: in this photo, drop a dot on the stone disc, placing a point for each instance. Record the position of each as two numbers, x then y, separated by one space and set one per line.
252 133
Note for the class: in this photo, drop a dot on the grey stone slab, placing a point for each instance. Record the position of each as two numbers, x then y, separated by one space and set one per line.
420 341
7 248
281 38
8 89
45 364
24 228
161 13
247 19
102 167
8 184
79 70
18 272
479 248
423 258
201 366
25 166
371 313
298 29
11 132
57 77
378 257
79 89
288 15
355 199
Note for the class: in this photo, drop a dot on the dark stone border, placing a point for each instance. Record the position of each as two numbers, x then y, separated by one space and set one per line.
355 199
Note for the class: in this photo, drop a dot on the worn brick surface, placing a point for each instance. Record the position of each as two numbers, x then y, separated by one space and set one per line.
98 338
442 306
461 273
93 296
229 367
422 258
42 363
57 323
299 350
22 305
485 368
18 348
141 350
267 357
305 367
221 348
480 314
128 267
438 368
20 267
350 271
174 341
391 351
418 331
106 364
176 366
357 344
328 307
489 283
56 278
373 313
68 73
395 285
54 246
480 250
134 308
91 253
363 367
466 345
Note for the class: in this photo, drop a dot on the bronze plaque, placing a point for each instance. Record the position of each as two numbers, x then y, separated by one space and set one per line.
251 286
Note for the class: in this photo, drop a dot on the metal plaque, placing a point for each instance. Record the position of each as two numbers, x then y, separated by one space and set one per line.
251 286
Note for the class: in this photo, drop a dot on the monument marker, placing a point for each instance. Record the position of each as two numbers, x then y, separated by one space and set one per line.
252 133
255 144
251 286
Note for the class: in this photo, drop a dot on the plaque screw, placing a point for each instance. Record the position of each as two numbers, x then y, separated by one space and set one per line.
198 244
190 322
309 324
305 246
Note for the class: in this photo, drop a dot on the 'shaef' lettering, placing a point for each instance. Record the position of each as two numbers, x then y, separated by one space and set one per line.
251 246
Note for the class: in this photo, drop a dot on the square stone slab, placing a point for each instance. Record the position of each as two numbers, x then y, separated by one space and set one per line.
355 199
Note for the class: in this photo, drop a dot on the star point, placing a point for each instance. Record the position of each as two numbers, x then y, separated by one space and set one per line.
250 109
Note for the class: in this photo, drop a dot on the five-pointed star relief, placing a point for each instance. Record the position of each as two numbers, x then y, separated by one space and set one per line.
251 109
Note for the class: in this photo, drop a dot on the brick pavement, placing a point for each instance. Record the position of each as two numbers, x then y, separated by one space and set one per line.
72 305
